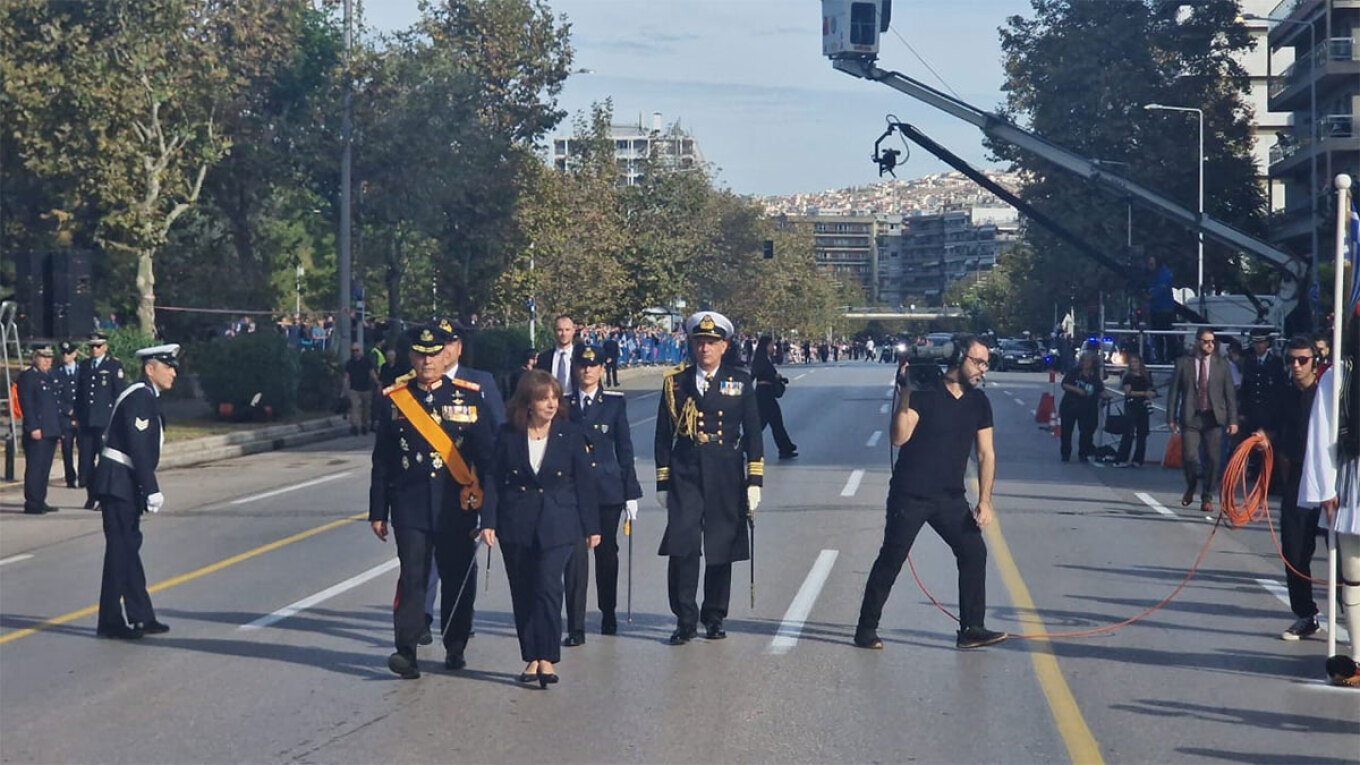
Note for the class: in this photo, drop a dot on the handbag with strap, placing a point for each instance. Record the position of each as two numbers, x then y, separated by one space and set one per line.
470 495
780 385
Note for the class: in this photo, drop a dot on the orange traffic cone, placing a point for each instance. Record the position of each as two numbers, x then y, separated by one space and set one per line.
1044 414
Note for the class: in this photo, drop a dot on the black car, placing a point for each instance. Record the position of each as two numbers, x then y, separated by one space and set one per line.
1019 354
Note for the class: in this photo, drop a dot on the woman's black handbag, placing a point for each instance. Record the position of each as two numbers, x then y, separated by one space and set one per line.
781 384
1117 424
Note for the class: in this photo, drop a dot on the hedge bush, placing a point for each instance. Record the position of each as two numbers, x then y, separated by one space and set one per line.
319 381
124 343
233 370
496 350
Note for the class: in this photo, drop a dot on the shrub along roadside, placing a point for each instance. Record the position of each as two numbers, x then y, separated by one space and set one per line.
233 370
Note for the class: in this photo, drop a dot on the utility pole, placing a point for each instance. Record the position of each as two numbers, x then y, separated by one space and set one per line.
346 130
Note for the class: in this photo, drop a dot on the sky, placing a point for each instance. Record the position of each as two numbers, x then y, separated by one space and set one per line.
747 79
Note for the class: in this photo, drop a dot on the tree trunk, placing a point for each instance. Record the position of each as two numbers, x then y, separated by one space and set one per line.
146 292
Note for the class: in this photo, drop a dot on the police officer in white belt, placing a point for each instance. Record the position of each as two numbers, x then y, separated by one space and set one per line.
125 487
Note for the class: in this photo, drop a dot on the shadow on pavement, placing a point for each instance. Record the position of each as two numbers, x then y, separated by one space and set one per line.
1280 721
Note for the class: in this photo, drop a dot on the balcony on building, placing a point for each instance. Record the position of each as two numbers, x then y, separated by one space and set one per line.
1337 57
1335 133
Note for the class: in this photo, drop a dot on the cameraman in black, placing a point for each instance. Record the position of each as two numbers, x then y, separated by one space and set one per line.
937 427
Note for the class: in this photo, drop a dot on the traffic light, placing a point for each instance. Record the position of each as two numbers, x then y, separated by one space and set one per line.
769 249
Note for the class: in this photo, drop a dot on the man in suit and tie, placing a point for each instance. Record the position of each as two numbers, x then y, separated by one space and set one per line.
99 380
1201 404
66 376
557 360
603 416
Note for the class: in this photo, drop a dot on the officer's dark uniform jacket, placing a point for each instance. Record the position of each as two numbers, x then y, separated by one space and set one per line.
1263 387
66 395
410 484
609 441
97 390
550 507
38 398
708 450
132 447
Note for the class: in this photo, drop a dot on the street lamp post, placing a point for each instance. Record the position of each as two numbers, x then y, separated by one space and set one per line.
1199 233
1312 147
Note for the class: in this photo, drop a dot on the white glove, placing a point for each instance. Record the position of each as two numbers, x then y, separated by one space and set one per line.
752 498
631 507
154 502
661 500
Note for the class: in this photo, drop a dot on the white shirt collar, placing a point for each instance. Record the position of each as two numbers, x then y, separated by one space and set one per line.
588 394
452 372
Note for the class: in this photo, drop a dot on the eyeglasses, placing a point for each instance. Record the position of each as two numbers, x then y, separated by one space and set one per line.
983 363
1299 361
1206 341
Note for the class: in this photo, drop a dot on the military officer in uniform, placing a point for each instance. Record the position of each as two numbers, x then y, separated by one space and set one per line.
709 469
65 376
40 402
431 430
99 380
125 486
1261 397
603 416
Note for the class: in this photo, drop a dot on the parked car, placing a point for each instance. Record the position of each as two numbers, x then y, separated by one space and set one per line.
935 346
1019 354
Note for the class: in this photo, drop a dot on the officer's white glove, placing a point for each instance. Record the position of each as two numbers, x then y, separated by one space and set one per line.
752 499
631 507
154 502
661 500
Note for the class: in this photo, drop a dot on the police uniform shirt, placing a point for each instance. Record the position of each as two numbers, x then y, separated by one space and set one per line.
932 463
98 381
40 402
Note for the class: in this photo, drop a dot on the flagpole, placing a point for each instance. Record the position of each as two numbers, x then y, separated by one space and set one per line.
1339 311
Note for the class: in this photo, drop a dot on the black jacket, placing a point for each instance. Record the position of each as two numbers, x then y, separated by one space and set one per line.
66 394
610 442
555 506
97 389
40 401
134 435
545 361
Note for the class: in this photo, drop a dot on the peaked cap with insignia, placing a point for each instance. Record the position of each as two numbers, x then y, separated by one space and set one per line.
709 324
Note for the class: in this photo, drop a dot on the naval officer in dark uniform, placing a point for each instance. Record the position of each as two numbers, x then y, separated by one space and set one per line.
39 401
65 375
99 380
414 488
125 485
603 417
709 469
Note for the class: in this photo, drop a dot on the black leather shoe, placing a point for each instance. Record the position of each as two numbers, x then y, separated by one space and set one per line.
50 508
574 639
546 679
404 666
1188 497
119 632
868 638
454 661
152 627
34 511
609 625
91 503
527 677
715 631
788 455
683 635
977 637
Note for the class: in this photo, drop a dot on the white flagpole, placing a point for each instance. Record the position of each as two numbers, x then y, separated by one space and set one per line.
1343 211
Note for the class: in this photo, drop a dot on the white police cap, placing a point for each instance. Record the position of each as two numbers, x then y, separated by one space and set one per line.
167 354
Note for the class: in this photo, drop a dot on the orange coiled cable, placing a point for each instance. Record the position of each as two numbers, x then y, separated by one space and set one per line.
1255 504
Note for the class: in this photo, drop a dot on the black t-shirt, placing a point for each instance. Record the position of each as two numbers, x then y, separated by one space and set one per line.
358 371
932 462
1136 384
1095 386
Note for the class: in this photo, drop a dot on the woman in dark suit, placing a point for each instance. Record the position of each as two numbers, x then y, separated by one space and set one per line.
767 401
543 471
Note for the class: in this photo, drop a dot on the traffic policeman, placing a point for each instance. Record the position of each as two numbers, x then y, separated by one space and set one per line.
40 403
66 375
1264 385
125 485
431 457
99 380
709 469
603 416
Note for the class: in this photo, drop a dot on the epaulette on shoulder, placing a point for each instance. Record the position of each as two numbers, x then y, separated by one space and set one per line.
618 393
467 385
399 383
675 370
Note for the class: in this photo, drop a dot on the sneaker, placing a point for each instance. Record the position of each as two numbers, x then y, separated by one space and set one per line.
977 637
1118 464
1300 629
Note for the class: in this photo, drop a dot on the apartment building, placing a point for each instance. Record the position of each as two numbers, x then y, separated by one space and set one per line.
634 144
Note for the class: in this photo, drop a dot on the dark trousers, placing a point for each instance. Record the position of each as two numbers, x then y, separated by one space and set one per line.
1298 541
38 453
1204 430
682 584
535 575
68 455
1136 436
88 443
611 372
124 577
953 521
454 551
1086 417
606 571
773 417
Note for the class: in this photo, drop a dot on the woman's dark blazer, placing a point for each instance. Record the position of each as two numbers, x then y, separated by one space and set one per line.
556 506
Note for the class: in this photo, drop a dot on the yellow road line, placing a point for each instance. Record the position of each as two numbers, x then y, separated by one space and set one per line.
1076 735
189 577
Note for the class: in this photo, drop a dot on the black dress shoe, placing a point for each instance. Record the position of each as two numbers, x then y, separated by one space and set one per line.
119 632
546 679
683 635
977 637
715 631
574 639
609 625
152 627
403 665
91 503
1188 497
788 455
868 638
50 508
454 661
527 677
34 511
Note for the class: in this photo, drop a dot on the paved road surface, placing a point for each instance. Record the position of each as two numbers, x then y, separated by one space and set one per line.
1206 678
